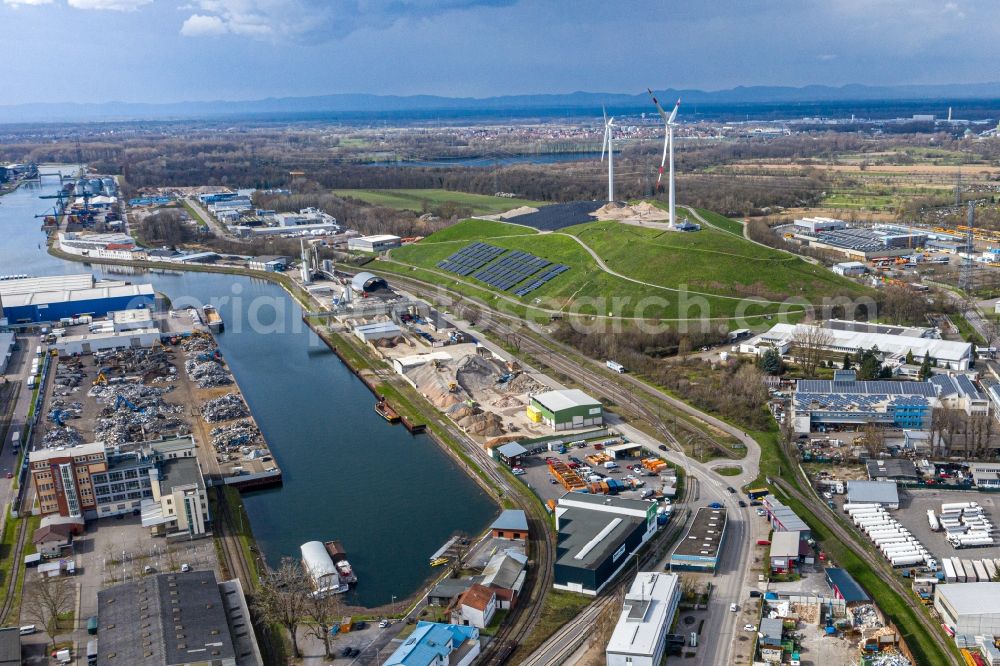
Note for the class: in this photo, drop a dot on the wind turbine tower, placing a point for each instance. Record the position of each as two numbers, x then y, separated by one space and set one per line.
609 146
668 147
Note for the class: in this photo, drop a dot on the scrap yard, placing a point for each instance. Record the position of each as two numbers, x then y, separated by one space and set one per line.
180 385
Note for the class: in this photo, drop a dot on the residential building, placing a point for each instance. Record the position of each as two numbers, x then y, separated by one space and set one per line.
640 635
175 619
972 608
475 607
837 337
378 243
435 644
566 409
785 548
596 534
845 587
770 630
873 492
53 540
700 548
511 524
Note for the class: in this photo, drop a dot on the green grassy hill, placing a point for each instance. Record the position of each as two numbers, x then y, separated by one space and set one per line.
680 275
422 200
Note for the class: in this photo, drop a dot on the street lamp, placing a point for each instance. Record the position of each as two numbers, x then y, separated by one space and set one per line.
393 604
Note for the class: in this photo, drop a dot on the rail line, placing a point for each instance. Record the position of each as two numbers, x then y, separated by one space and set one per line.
236 562
14 571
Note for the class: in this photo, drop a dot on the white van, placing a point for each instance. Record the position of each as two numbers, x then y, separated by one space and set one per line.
611 465
27 630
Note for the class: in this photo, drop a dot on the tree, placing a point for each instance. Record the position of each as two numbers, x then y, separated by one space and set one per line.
770 362
808 346
45 600
909 357
873 439
870 366
284 598
925 368
323 612
847 362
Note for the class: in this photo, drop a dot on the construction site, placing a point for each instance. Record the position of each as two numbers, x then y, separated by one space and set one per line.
180 385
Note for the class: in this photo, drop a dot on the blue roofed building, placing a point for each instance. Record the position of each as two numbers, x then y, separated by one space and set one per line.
512 524
433 643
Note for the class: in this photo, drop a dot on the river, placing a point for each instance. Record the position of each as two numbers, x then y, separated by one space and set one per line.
390 497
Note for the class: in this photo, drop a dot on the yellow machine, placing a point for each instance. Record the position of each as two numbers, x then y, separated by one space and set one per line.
101 380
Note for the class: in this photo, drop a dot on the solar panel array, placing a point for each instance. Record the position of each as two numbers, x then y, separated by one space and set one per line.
510 270
470 258
542 279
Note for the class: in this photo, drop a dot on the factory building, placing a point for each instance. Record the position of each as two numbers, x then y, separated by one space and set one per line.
378 243
364 283
566 409
785 550
305 216
640 635
101 246
972 608
959 393
700 548
845 587
88 343
829 405
7 341
377 331
863 244
850 268
986 475
34 300
848 337
596 536
175 619
873 492
817 224
269 263
131 320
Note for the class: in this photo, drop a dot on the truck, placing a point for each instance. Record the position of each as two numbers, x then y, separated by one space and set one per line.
949 571
906 560
616 366
933 521
92 651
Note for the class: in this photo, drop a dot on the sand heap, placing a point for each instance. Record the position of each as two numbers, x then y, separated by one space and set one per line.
436 385
477 422
643 211
522 210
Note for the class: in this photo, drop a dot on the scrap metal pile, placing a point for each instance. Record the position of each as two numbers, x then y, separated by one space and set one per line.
207 374
231 437
224 408
67 436
135 413
68 377
866 617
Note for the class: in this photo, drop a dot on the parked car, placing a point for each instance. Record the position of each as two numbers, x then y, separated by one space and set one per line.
749 627
662 447
598 447
383 624
731 489
715 505
517 471
733 608
742 503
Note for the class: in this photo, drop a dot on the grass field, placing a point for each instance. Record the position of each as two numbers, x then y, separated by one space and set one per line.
423 200
716 268
723 222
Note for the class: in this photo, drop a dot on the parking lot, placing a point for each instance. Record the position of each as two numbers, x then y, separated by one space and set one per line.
913 515
537 475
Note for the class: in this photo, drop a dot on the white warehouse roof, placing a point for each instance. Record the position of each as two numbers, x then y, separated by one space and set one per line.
76 295
972 598
566 399
317 561
645 613
875 492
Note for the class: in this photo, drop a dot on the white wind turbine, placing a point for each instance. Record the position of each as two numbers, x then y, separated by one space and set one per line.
668 144
608 145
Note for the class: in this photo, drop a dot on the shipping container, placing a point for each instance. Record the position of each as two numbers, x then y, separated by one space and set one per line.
949 570
981 574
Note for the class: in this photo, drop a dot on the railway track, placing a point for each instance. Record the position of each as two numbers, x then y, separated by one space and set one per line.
822 512
14 571
235 559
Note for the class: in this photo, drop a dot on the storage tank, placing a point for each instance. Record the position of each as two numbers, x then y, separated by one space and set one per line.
906 560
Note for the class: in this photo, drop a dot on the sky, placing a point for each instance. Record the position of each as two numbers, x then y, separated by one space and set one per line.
180 50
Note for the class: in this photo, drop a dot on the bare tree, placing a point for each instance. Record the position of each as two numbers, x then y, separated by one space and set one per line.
45 600
323 612
809 344
873 439
284 598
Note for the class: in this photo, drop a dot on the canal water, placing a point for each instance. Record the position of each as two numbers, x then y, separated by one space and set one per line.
391 498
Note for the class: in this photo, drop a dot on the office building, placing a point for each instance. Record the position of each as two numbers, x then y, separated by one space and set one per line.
179 504
596 534
640 636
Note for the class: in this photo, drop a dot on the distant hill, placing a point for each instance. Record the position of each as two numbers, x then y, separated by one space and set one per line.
363 105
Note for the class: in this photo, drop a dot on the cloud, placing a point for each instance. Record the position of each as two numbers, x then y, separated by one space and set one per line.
113 5
17 3
315 20
826 57
198 25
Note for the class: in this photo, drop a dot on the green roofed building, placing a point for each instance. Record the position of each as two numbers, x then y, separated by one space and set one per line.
566 410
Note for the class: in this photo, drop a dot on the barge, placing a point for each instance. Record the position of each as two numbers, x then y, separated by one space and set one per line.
213 319
385 410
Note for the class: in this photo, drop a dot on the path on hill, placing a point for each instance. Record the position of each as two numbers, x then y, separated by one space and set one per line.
746 236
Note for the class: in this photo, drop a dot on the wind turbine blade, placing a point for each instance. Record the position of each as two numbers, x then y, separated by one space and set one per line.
604 145
673 114
663 114
663 161
605 112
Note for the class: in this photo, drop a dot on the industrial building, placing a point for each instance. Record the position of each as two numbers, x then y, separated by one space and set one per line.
378 331
10 639
640 635
436 644
596 536
783 519
785 550
700 548
829 405
365 283
175 619
985 475
131 320
972 608
7 341
101 246
892 469
863 244
268 263
378 243
845 587
35 300
959 393
850 268
873 492
88 343
179 504
837 338
817 224
305 216
512 524
566 409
